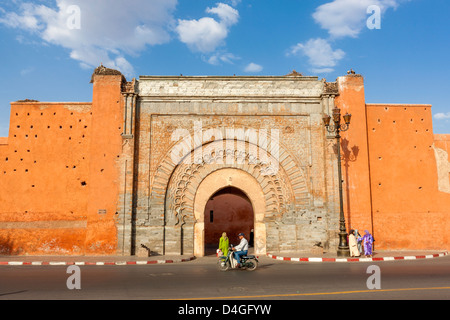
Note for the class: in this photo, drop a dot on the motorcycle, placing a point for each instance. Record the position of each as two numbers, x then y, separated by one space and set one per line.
248 262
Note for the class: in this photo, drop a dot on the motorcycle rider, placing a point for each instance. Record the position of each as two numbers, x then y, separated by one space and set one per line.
241 249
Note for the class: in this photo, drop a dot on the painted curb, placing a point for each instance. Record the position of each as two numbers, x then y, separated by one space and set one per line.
394 258
89 263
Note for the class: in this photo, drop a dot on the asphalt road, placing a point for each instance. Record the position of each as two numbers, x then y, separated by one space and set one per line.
423 279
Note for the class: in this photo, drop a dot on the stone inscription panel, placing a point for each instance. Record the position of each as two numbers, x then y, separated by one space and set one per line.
291 132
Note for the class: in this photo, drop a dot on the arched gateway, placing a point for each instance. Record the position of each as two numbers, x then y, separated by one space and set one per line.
228 210
189 137
223 163
229 177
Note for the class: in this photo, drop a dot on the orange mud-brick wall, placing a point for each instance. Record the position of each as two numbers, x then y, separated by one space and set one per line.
58 174
398 184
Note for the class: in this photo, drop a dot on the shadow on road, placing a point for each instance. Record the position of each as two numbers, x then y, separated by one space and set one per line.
10 293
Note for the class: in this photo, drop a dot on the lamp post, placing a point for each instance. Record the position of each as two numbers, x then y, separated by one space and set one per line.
337 127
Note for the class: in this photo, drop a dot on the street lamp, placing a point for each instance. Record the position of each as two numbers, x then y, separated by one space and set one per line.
337 127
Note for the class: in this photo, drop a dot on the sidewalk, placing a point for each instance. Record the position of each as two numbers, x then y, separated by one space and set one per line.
134 260
89 260
377 256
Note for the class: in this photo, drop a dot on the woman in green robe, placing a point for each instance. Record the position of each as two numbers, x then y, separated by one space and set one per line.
224 243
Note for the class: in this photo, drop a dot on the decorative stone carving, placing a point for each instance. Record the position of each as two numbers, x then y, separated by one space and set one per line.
331 88
186 178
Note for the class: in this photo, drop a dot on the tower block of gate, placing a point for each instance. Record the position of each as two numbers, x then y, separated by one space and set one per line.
260 135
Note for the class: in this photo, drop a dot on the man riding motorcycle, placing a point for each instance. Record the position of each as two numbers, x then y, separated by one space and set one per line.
241 249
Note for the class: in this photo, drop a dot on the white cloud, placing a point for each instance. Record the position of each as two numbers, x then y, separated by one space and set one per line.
203 35
26 71
26 21
227 14
320 54
108 32
234 3
442 116
253 67
219 57
341 18
207 34
347 18
322 70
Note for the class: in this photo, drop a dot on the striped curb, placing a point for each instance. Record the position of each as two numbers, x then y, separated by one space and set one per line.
87 263
147 262
430 256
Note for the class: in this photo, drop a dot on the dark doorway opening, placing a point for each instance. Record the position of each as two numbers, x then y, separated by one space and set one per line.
228 210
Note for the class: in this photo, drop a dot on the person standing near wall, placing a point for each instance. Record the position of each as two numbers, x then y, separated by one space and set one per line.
359 241
354 252
367 242
224 244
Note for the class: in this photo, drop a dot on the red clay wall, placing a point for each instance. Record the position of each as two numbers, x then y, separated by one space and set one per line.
354 151
105 152
58 190
405 206
43 166
409 210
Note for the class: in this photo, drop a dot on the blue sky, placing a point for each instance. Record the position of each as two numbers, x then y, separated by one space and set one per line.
49 48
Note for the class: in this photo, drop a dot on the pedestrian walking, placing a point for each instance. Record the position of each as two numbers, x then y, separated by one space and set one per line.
359 241
354 252
224 244
367 242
